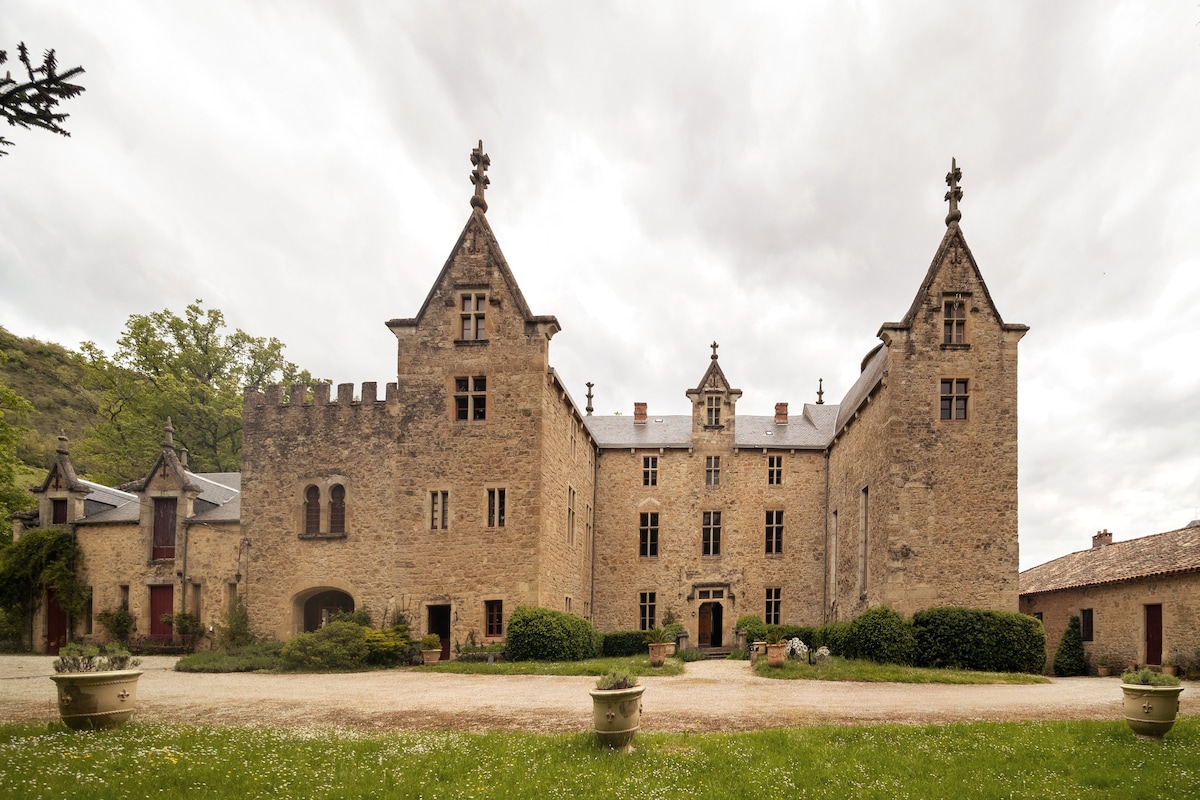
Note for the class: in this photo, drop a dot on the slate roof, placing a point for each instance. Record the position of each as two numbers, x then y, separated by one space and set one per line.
872 372
220 500
1161 554
811 430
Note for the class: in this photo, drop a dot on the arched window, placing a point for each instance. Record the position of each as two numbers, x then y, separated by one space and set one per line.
337 509
312 510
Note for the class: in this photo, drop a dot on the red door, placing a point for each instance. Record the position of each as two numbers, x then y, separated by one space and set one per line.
56 624
1154 634
162 601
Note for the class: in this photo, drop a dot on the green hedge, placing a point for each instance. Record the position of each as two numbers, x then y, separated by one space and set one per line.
1069 658
337 646
619 644
543 634
880 634
988 641
835 635
754 627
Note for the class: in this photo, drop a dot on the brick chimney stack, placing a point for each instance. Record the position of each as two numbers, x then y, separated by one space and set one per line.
639 413
1101 538
781 413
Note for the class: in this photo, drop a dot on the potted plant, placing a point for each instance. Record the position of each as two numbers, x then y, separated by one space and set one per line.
776 648
617 709
1104 666
431 648
96 688
658 639
1169 667
1151 701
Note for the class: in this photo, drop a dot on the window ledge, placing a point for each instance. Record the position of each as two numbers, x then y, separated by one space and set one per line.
308 536
470 342
955 346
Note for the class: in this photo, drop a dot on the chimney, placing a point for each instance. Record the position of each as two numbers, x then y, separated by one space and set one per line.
639 413
781 413
1101 538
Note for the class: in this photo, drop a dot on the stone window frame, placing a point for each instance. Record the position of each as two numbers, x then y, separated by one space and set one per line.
571 494
648 529
439 509
649 470
1087 624
774 470
712 471
955 397
774 604
497 506
329 519
472 308
710 534
647 610
955 328
774 532
470 398
493 618
712 410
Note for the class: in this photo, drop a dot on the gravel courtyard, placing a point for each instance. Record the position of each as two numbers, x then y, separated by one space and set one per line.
711 696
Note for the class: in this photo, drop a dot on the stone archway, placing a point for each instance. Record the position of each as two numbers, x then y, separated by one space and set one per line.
316 606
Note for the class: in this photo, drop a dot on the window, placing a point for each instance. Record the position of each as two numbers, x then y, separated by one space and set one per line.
495 508
774 470
470 398
1085 624
473 316
711 537
833 554
493 612
774 532
712 471
570 515
650 471
954 398
648 535
439 516
567 604
58 511
587 534
646 603
714 412
164 528
1037 615
863 531
774 601
954 315
337 509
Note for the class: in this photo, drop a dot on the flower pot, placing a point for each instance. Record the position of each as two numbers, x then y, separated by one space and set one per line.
431 656
617 715
1103 672
757 650
776 653
671 647
1151 710
88 700
658 654
1170 669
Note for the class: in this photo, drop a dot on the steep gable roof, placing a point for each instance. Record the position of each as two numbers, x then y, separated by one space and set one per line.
1161 554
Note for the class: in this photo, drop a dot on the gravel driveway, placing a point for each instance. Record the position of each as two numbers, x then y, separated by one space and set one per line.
711 696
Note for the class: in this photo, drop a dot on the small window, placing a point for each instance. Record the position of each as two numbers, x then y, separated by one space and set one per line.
473 315
712 471
774 470
954 320
647 601
713 407
954 398
439 517
495 508
58 511
470 398
650 471
337 509
774 601
648 535
567 604
312 510
774 533
1085 624
493 611
711 534
570 515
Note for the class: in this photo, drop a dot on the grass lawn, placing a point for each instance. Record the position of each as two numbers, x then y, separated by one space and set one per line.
975 760
841 669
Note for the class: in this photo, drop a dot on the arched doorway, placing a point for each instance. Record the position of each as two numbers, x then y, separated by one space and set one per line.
712 619
322 605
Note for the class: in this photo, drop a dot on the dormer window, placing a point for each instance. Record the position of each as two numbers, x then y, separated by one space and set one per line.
473 315
164 528
954 319
713 417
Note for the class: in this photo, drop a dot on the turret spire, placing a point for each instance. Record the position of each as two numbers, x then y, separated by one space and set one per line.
954 195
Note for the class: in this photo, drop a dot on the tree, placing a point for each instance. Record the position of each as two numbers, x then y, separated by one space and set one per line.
1069 658
187 369
12 497
32 102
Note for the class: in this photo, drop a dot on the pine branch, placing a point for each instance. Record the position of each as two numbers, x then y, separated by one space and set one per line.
32 102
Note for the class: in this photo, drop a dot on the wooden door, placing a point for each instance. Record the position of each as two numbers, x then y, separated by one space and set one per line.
715 639
162 601
706 619
1154 634
56 624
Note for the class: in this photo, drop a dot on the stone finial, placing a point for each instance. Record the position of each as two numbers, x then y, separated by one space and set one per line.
62 443
954 195
714 347
168 435
479 178
589 397
820 391
183 457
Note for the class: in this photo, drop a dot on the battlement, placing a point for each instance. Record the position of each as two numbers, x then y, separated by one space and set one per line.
318 395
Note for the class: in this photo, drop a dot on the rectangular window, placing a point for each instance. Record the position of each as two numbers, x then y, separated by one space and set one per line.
649 470
567 604
58 511
711 536
587 533
648 535
493 612
570 515
954 316
439 516
833 554
774 601
774 532
774 470
473 315
712 471
164 528
863 532
1085 624
954 398
713 406
470 398
495 508
646 607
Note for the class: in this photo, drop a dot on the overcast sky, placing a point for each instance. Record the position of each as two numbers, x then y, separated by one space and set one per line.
663 175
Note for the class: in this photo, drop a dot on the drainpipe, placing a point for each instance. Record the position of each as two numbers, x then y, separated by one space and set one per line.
595 517
825 565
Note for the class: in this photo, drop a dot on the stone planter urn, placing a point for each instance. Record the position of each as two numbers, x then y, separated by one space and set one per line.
757 651
617 715
88 700
658 653
776 654
1151 710
431 656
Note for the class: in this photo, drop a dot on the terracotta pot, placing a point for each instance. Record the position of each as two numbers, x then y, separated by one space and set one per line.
1103 672
658 654
431 656
1151 710
671 647
1170 669
617 715
776 653
88 700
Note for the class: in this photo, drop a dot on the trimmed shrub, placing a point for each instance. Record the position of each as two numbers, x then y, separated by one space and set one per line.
835 636
971 638
789 632
235 633
880 634
619 644
117 623
543 634
754 628
360 617
337 646
251 658
388 648
1069 658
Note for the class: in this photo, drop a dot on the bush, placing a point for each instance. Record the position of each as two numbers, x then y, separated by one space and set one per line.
881 635
673 630
235 633
988 641
739 654
387 648
544 634
258 657
754 628
835 636
619 644
117 623
1069 658
689 655
360 617
337 646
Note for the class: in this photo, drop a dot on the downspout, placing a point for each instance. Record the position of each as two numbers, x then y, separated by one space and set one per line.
825 565
595 517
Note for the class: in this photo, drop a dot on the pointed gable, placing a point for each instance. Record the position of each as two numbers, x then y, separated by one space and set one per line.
713 399
167 474
61 476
